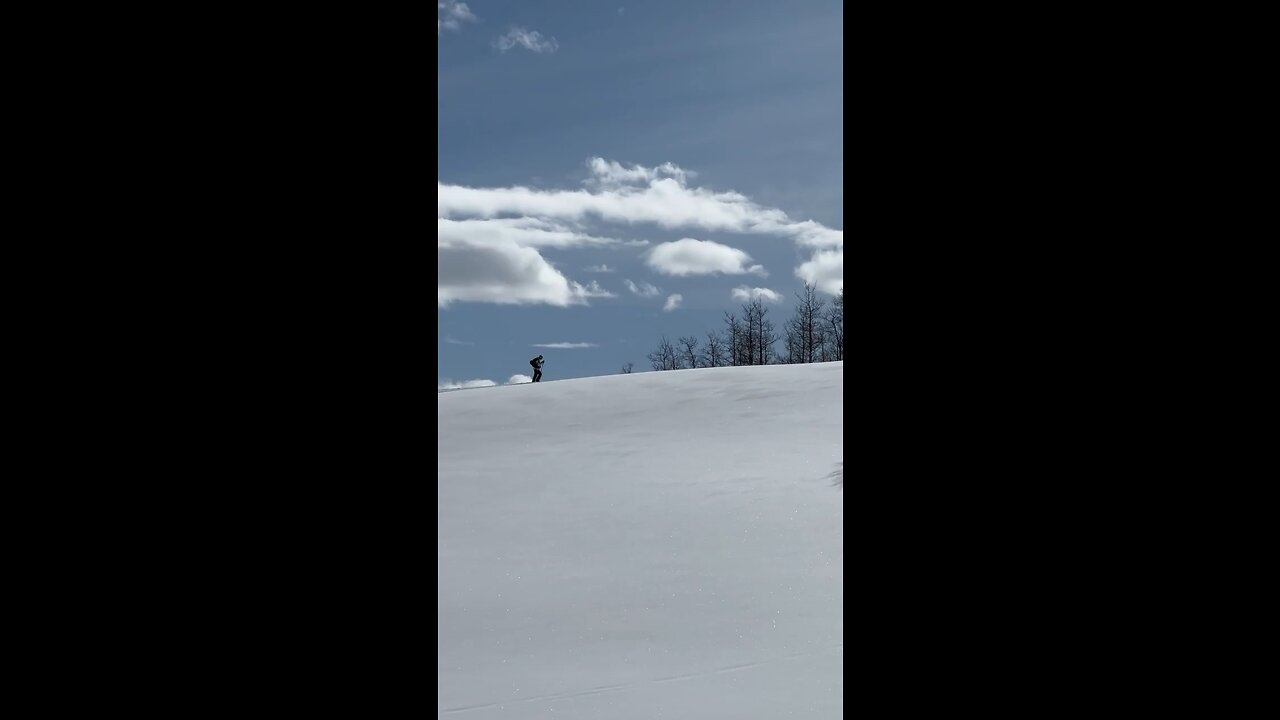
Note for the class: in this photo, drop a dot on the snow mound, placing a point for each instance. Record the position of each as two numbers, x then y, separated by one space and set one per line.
664 544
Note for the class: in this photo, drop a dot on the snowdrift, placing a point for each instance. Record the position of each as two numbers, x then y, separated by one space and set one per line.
651 545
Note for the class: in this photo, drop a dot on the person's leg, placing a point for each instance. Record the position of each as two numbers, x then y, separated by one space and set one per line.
537 375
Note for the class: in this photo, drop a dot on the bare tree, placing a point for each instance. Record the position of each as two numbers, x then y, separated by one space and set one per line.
834 325
749 312
687 353
714 353
815 333
767 339
760 336
793 344
626 369
663 357
806 328
737 345
747 336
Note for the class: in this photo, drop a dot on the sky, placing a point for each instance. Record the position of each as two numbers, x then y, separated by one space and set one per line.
609 173
658 545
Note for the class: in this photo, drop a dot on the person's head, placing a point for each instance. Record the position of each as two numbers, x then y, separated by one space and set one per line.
539 357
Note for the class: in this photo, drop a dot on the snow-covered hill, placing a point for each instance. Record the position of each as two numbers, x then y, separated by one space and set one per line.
652 545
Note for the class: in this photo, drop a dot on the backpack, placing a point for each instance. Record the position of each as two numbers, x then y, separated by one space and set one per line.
534 363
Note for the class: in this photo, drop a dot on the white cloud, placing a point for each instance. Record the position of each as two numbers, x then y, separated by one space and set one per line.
450 15
700 257
479 229
643 289
504 273
812 234
591 290
450 385
523 231
497 261
517 379
673 302
565 345
600 269
529 39
825 271
664 201
453 341
610 173
745 294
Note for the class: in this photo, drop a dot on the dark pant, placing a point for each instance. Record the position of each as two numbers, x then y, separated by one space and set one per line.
537 374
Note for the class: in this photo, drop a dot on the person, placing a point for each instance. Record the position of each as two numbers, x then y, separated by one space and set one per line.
537 368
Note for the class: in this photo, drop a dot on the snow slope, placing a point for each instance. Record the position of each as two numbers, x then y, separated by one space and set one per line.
652 545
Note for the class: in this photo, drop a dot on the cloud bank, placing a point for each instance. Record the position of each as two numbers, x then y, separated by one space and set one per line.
491 239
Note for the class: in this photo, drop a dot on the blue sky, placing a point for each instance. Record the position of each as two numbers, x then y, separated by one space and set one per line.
597 159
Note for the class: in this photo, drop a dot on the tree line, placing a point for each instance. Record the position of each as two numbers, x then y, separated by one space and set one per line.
814 333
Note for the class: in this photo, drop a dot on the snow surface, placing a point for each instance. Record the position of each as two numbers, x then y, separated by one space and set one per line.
650 545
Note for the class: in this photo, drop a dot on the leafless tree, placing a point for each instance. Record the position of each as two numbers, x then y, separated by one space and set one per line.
806 328
663 357
833 322
715 352
626 369
750 311
760 334
687 351
793 353
767 339
815 333
737 340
